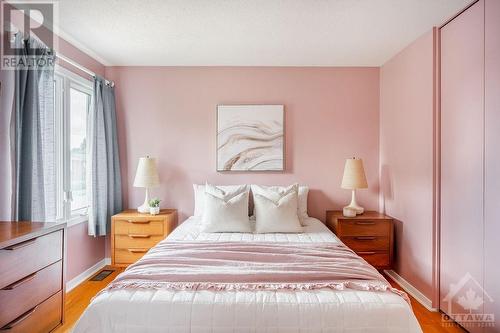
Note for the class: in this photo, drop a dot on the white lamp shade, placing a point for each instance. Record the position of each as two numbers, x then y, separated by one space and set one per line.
354 174
147 173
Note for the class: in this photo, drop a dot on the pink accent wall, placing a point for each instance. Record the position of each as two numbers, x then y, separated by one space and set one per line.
82 251
170 113
406 158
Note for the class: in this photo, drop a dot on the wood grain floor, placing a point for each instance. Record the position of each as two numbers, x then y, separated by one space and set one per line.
79 298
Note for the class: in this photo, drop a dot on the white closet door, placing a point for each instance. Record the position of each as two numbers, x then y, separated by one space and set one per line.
462 157
492 163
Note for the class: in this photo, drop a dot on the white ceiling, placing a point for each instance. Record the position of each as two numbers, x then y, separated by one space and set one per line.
249 32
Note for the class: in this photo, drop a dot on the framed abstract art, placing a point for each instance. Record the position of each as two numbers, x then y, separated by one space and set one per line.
250 138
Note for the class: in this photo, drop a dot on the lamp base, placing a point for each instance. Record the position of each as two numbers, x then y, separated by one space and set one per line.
144 208
353 206
359 210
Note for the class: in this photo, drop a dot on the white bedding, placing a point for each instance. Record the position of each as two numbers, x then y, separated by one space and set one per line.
322 310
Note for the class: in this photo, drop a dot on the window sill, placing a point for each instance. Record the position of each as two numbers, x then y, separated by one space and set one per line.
75 220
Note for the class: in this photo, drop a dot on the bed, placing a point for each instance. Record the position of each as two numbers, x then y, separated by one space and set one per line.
318 310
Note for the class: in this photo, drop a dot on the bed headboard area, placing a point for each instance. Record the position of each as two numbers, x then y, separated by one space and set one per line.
330 114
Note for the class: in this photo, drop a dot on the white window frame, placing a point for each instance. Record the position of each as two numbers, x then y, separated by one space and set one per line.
64 81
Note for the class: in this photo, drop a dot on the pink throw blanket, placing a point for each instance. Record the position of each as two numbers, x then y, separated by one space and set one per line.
251 266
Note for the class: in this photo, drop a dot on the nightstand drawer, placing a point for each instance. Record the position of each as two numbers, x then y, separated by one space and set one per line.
367 243
143 226
134 233
364 228
136 241
377 259
370 235
130 255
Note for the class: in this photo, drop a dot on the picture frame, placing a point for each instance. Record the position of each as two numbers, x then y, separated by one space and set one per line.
250 138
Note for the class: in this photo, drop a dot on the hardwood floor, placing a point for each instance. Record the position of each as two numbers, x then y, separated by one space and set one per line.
429 321
79 298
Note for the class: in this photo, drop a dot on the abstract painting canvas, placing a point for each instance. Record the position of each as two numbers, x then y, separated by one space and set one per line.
250 138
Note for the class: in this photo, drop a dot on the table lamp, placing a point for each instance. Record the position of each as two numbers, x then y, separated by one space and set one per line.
147 177
354 178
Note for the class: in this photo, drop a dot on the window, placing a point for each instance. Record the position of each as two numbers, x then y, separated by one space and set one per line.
73 96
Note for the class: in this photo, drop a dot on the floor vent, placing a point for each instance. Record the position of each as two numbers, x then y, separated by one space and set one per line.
101 275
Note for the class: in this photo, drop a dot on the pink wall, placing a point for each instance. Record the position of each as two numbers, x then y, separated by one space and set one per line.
406 157
169 113
82 250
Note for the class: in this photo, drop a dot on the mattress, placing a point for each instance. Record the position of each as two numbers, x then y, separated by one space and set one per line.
314 231
322 310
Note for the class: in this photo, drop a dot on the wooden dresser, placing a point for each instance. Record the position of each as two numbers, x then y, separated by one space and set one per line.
370 235
133 234
31 276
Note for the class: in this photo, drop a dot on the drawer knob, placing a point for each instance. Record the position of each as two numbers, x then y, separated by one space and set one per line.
138 222
139 236
365 223
367 253
365 238
18 320
137 250
20 282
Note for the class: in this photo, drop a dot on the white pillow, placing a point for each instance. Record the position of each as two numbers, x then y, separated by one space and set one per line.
199 196
226 211
302 204
276 210
303 192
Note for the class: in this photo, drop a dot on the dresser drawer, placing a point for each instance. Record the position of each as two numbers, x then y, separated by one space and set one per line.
143 226
40 319
364 228
31 290
129 255
22 259
377 259
136 241
367 243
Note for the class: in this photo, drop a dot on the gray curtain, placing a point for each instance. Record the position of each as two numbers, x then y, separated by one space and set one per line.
35 168
7 178
105 179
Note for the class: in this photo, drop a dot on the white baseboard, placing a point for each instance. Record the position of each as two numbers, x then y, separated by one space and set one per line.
414 292
71 284
107 261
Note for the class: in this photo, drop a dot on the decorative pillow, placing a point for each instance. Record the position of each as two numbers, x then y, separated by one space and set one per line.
276 210
199 196
226 211
303 192
302 204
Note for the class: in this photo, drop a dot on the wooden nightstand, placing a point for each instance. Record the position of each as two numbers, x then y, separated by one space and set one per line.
370 235
133 234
